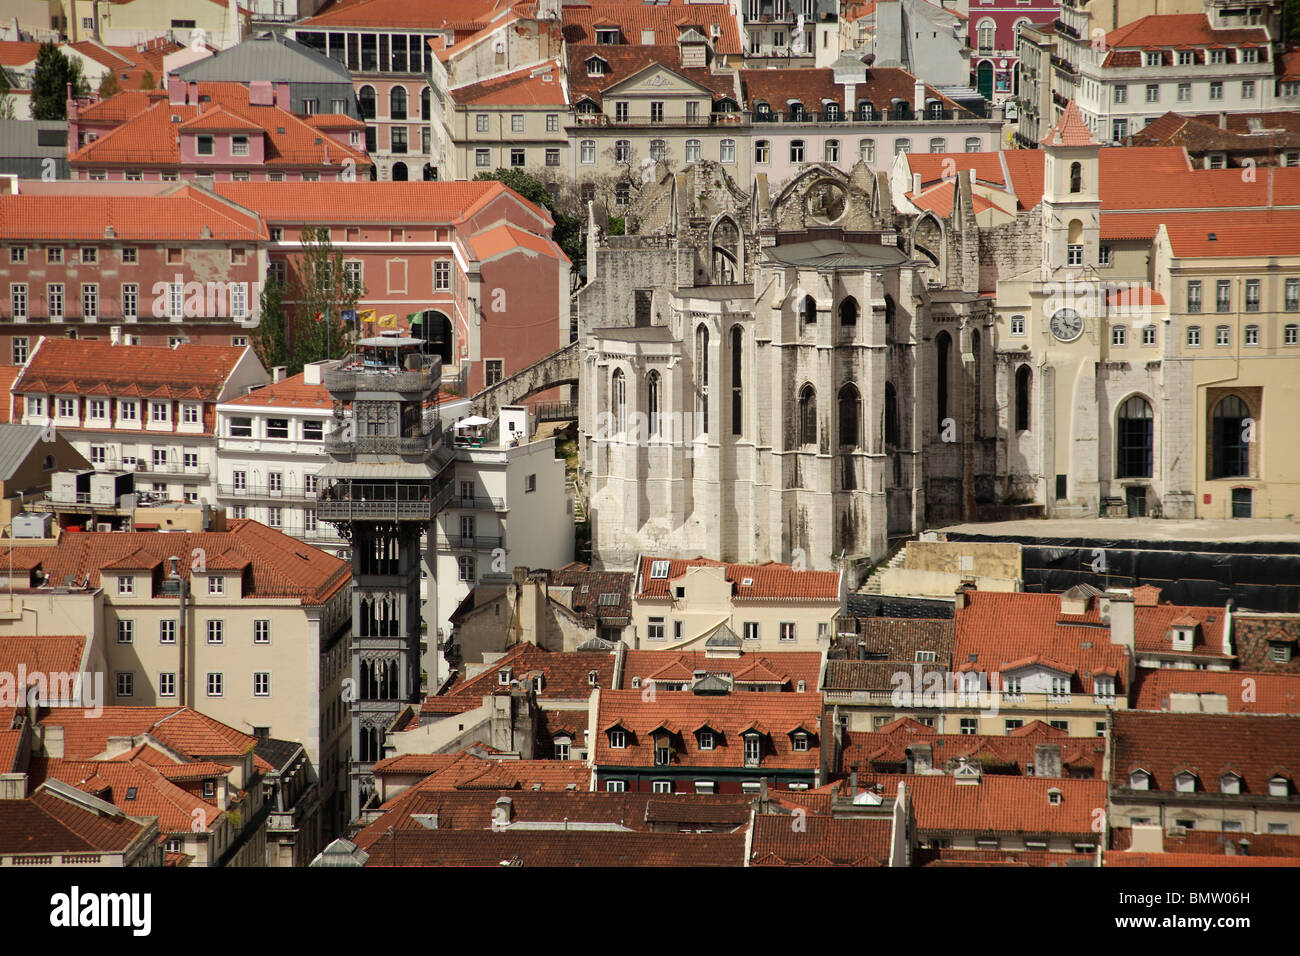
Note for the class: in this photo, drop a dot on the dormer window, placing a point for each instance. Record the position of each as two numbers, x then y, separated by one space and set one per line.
1279 652
607 37
801 687
1181 638
1230 783
1054 797
126 585
636 682
707 740
1104 686
663 751
592 678
925 655
753 749
538 683
596 66
1279 786
503 676
800 743
658 569
216 584
1139 780
617 740
1185 782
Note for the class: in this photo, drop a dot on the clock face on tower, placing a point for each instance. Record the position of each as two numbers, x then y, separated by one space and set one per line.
1066 325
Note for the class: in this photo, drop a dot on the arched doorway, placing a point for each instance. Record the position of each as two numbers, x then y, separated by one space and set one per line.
435 328
984 79
399 172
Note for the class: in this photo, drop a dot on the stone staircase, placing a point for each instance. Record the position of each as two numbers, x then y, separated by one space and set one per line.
872 584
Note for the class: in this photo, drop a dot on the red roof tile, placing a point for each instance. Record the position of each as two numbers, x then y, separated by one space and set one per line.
135 788
281 566
291 392
47 823
1216 842
1198 860
667 20
45 655
1151 628
183 729
1179 30
532 86
149 138
1162 744
809 840
182 214
403 15
785 668
774 715
1001 629
768 582
78 366
1003 804
555 848
1070 130
627 61
565 675
813 86
885 749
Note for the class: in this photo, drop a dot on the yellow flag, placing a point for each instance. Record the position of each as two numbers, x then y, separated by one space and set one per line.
366 315
388 321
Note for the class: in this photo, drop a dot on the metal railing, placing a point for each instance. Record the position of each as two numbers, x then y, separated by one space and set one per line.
265 492
347 500
353 376
405 446
477 503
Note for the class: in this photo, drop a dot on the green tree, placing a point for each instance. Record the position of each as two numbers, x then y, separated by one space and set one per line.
147 82
321 292
54 72
108 85
1291 21
271 337
7 111
568 226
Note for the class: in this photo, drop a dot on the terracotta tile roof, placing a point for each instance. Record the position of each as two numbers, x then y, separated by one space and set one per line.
812 86
626 61
183 729
1266 134
365 202
555 848
1162 744
1070 130
774 715
1216 842
120 108
1165 31
885 749
149 138
182 214
899 638
79 366
1151 628
134 787
435 708
475 810
987 167
1254 634
1002 804
819 841
473 772
565 675
49 654
1135 297
414 763
333 121
590 598
1001 629
667 20
403 15
18 52
768 581
938 199
1272 233
784 668
281 566
291 392
498 240
1198 860
10 740
47 823
1289 65
532 86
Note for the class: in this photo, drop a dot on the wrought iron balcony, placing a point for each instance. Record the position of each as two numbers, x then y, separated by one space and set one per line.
354 376
414 446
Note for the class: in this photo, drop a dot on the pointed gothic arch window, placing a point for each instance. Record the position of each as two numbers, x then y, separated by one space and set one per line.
891 415
1024 383
850 409
702 379
652 402
942 349
1134 433
808 415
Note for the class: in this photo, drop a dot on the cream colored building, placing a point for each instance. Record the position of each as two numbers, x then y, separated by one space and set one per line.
514 121
685 605
254 632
